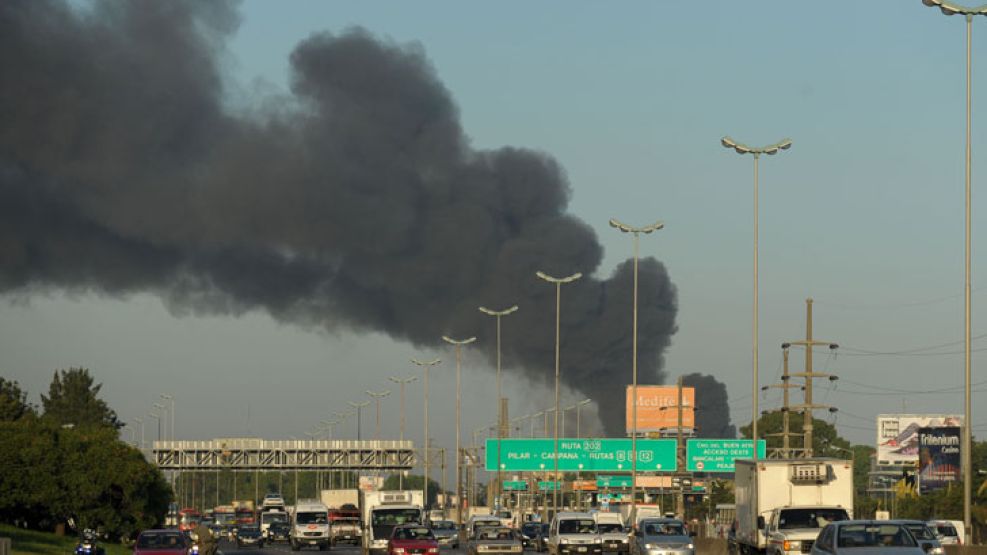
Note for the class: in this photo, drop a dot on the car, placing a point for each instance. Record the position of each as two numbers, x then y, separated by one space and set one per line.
162 542
279 532
927 539
249 534
541 540
529 533
950 532
574 533
612 532
494 539
662 536
412 539
874 537
479 521
446 533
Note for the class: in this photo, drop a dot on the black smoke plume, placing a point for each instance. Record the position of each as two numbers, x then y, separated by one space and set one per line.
713 416
355 202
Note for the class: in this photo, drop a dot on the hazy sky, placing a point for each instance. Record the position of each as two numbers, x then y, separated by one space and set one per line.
864 213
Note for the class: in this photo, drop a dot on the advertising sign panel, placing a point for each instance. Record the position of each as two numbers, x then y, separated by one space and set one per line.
938 458
657 408
897 434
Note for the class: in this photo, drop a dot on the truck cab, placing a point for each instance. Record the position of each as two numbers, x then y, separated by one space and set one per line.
793 530
310 525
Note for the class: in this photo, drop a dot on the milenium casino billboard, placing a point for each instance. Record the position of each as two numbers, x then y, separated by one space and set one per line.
938 458
897 434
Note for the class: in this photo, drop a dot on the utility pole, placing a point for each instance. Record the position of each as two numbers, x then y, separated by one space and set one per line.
786 450
679 407
808 406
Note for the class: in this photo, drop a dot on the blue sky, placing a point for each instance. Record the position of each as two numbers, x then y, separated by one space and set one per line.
864 213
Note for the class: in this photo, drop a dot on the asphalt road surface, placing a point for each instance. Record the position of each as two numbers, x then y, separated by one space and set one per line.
230 548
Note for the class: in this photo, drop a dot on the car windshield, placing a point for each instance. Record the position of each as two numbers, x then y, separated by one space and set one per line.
664 529
311 518
874 535
161 540
491 533
609 527
443 525
809 518
577 526
394 517
920 531
530 528
249 530
273 517
413 533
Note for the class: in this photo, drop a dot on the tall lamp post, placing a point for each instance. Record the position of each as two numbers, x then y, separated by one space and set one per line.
426 366
636 232
402 382
359 411
498 314
378 395
458 343
770 150
951 8
558 311
140 421
579 405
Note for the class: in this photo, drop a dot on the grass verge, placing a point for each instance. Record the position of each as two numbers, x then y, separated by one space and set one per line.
31 541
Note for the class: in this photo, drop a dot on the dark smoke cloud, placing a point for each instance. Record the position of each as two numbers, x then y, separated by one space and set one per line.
357 203
713 416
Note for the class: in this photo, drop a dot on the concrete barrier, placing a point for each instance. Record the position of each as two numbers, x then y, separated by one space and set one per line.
718 546
965 549
5 548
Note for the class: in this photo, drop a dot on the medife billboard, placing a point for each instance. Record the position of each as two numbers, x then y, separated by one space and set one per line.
657 407
938 458
898 434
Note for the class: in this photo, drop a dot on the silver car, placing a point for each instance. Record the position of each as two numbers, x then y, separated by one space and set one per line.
490 539
927 539
662 536
446 533
866 537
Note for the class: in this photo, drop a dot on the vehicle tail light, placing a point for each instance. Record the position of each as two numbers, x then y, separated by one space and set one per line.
786 546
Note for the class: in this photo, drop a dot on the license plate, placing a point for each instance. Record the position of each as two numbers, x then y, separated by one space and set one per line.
312 542
581 549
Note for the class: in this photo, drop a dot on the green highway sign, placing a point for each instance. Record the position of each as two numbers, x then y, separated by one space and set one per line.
548 486
515 485
613 481
588 455
718 455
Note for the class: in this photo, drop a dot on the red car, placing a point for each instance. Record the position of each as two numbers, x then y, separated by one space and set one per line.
412 539
162 542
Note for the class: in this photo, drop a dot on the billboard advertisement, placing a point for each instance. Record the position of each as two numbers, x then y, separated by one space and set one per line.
897 435
938 458
657 407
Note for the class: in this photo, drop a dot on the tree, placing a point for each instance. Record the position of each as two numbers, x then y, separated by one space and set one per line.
825 440
13 401
73 399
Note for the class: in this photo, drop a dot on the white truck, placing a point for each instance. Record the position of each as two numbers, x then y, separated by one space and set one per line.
381 511
309 524
782 504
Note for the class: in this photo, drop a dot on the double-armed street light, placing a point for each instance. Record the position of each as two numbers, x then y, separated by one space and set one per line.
402 382
498 314
458 344
558 282
359 413
378 395
426 365
636 232
952 8
770 150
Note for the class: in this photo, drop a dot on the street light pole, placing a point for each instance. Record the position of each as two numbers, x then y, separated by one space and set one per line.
458 343
636 231
359 414
951 8
426 366
770 150
558 311
402 383
140 421
579 405
378 395
498 314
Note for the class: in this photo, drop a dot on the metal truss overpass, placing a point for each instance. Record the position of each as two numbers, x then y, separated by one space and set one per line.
260 454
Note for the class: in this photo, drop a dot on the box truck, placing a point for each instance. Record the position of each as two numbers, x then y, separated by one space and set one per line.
782 504
381 511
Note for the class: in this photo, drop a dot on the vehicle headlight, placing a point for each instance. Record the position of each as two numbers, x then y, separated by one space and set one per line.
650 546
690 546
624 540
937 551
563 541
398 550
788 545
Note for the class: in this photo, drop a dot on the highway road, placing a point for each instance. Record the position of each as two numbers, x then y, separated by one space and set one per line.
229 548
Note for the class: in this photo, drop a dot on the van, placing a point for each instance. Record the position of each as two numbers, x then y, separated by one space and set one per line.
613 534
310 525
574 533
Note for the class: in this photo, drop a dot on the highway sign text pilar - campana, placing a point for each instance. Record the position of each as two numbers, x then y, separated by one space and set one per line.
588 455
